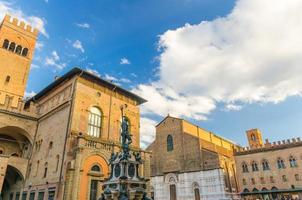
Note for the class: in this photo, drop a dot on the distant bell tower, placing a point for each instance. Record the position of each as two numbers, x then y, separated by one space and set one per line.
254 137
17 44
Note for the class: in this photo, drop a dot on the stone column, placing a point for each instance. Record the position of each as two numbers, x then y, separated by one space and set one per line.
3 166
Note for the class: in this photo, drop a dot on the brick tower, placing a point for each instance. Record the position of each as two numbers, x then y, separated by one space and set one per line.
254 137
17 44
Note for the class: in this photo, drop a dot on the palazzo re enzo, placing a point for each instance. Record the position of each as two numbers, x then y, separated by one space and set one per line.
57 144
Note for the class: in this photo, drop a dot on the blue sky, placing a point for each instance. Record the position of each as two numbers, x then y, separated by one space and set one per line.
213 62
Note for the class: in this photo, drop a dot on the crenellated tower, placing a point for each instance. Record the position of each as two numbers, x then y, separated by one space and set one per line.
17 44
254 137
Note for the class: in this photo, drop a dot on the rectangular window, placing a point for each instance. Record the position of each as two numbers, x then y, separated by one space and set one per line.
17 196
93 189
24 195
41 195
32 195
11 196
51 194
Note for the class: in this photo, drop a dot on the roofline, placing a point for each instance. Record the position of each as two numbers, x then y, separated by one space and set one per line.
77 71
168 116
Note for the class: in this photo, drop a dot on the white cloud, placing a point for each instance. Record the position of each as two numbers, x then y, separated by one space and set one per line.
252 55
54 60
147 131
110 78
233 107
125 80
39 45
78 45
93 71
134 75
11 9
83 25
125 61
29 94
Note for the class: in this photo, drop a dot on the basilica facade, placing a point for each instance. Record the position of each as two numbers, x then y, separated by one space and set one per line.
191 163
57 144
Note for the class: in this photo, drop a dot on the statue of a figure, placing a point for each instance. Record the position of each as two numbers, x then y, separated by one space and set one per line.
125 155
113 157
126 136
138 157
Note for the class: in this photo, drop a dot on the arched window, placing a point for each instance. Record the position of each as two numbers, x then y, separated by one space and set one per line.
96 168
253 181
262 180
284 178
94 122
1 151
254 166
197 194
272 180
265 165
253 137
297 177
170 143
173 192
245 168
5 44
280 164
45 170
12 47
18 49
293 162
25 52
244 181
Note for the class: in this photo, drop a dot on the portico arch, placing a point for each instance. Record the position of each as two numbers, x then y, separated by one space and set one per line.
13 181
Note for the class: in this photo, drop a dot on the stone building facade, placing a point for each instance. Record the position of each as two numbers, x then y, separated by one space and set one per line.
189 163
269 170
56 145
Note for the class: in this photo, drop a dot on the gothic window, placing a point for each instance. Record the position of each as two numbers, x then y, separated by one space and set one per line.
280 163
245 168
12 47
94 122
244 181
96 168
254 166
253 181
5 44
25 52
45 170
293 162
93 189
170 143
265 165
18 49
